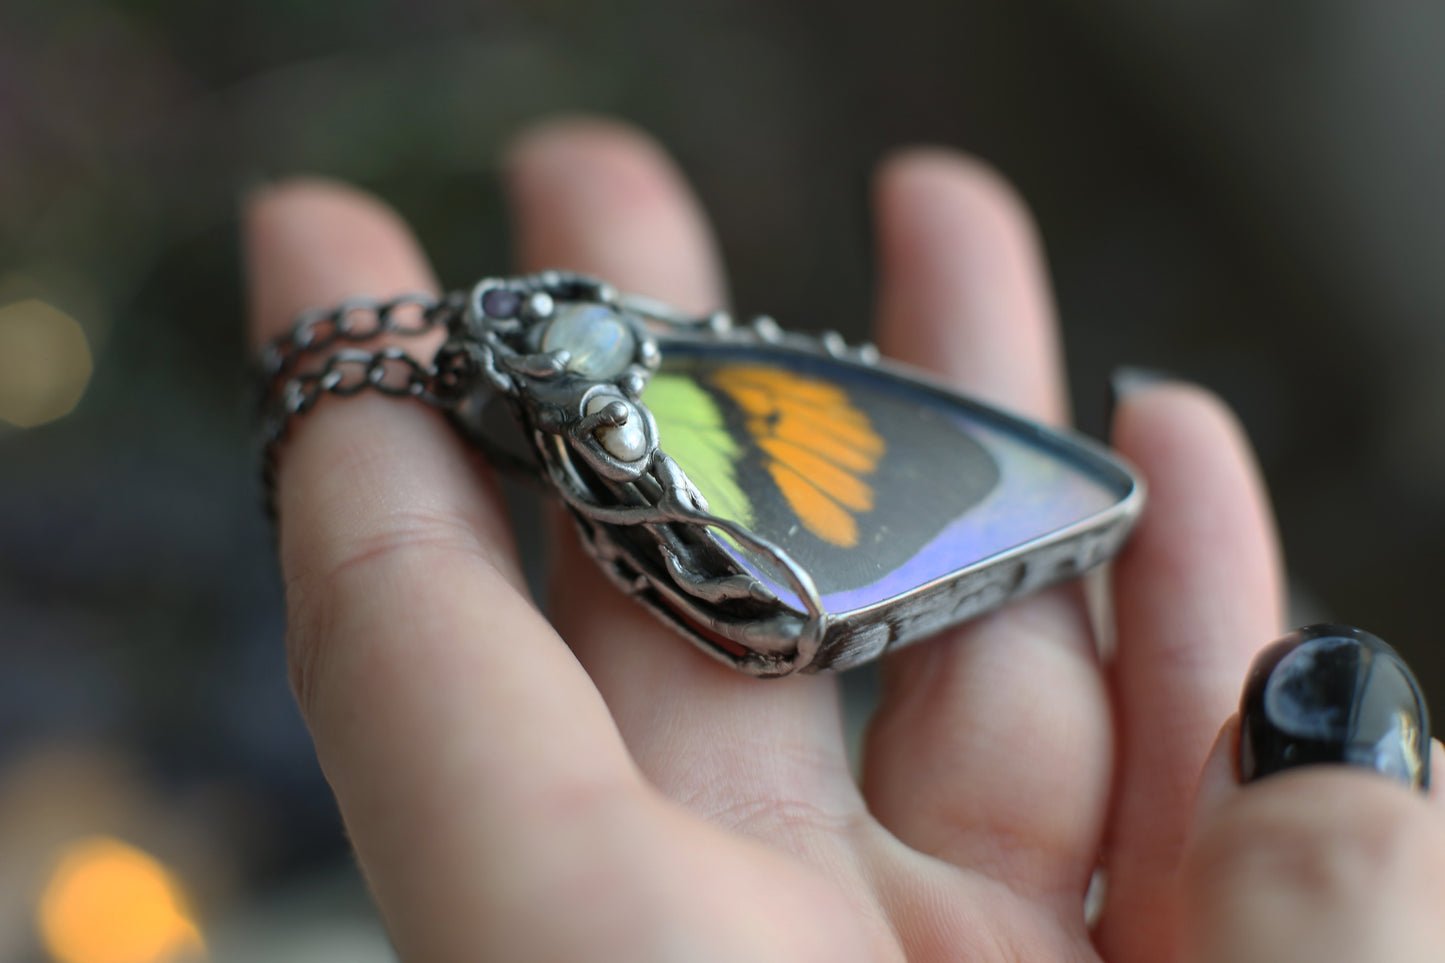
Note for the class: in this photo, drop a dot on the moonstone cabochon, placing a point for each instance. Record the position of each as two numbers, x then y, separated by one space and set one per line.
951 485
600 342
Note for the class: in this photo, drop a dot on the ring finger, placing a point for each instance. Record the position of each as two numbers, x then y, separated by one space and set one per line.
991 746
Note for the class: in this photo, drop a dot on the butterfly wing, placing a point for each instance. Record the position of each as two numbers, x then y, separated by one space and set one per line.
819 450
830 475
695 434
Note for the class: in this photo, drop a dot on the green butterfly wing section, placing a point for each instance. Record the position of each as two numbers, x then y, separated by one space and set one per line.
692 429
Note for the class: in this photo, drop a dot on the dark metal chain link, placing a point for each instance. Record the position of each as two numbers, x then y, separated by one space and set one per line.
287 392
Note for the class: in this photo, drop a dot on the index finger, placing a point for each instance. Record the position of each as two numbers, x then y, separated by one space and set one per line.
455 727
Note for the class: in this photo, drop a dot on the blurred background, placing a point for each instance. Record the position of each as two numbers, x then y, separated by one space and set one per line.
1248 195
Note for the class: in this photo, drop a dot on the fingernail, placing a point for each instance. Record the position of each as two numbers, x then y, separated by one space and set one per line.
1333 694
1129 380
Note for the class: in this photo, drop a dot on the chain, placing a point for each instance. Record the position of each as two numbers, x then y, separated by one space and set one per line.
287 393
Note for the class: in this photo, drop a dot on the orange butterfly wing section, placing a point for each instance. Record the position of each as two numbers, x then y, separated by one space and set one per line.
818 446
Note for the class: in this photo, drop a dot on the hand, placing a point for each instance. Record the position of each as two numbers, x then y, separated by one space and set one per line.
596 789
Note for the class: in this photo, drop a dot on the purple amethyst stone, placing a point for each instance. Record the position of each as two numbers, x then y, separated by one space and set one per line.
501 303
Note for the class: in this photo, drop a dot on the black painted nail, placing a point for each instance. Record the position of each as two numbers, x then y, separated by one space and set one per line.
1128 380
1333 694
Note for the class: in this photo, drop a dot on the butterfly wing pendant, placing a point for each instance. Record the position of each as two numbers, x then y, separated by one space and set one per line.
786 502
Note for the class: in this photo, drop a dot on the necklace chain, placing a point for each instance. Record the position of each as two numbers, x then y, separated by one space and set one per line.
289 388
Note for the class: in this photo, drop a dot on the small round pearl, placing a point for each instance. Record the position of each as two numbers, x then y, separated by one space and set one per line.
626 442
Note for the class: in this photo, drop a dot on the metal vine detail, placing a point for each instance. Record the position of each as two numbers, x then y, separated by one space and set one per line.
638 512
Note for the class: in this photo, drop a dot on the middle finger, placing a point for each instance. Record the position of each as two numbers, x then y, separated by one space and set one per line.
765 757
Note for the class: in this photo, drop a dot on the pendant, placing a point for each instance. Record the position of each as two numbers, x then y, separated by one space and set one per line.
786 502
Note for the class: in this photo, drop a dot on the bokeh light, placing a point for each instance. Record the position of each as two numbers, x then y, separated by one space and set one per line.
108 902
45 363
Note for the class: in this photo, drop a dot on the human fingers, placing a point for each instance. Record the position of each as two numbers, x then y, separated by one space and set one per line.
600 198
991 745
1197 591
469 753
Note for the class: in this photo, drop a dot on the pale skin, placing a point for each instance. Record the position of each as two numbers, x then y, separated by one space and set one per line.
594 788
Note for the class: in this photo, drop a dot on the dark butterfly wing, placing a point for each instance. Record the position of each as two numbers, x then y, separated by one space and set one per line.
850 483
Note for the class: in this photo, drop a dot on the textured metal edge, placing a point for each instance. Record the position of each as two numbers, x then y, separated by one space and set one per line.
866 634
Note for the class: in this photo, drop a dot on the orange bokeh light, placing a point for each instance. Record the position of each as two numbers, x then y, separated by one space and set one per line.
108 902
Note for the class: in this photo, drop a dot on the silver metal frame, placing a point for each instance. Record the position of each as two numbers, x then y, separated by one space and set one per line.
650 528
